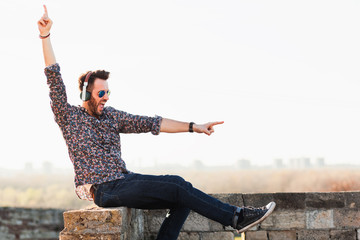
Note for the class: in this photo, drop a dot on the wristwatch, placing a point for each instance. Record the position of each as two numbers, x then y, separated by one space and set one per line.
191 127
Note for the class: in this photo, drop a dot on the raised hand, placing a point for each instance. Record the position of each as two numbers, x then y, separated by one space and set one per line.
45 23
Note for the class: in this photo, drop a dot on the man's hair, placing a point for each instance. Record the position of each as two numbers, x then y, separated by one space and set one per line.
102 74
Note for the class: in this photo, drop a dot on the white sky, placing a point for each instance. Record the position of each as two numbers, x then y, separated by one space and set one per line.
283 75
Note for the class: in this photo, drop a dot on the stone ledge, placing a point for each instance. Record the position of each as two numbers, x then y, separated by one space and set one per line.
300 216
102 223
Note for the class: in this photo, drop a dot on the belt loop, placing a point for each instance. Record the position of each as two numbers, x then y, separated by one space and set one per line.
93 190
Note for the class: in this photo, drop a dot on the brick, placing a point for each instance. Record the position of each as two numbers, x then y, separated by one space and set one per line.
235 199
284 201
282 235
325 200
94 220
320 219
352 199
285 220
153 219
258 199
258 235
358 233
103 223
153 224
218 227
343 234
217 236
347 218
313 235
287 201
149 236
4 233
92 237
195 222
38 234
189 236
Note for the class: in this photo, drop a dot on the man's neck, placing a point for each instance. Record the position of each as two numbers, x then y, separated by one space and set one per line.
86 106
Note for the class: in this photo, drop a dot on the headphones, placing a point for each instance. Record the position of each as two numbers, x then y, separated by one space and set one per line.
85 95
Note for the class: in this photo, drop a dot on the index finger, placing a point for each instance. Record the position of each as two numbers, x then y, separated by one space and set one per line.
45 9
216 123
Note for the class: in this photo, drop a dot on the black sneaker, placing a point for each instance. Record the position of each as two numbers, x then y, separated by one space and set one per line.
253 216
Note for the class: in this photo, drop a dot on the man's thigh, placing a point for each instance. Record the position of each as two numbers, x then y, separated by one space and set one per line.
141 191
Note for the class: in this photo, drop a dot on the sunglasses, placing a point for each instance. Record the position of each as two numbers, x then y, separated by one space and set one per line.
102 93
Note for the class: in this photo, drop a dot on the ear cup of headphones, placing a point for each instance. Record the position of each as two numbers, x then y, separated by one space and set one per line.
87 96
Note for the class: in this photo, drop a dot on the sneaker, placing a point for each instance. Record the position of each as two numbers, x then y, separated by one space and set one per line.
253 216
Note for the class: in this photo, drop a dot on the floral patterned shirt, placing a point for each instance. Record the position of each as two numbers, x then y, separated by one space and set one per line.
94 144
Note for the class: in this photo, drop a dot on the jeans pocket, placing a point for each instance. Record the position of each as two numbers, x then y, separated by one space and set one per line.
108 194
110 200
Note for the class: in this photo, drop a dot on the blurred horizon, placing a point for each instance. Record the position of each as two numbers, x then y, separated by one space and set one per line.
55 189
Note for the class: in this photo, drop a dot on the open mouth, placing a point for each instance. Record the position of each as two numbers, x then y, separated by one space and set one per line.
101 106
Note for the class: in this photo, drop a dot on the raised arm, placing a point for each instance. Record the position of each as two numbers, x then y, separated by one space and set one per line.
173 126
44 25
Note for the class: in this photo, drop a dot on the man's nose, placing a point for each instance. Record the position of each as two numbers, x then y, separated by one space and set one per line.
106 96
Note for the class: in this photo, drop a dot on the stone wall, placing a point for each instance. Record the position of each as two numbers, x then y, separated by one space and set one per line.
26 223
298 216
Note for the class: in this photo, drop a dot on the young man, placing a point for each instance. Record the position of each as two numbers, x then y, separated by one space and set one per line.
92 134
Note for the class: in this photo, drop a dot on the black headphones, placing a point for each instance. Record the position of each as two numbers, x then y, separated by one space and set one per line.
85 95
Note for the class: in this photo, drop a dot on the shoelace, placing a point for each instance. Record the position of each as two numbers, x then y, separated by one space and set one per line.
254 211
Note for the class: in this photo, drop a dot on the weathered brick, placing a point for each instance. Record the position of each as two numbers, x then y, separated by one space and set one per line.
283 201
320 219
343 234
352 199
325 200
235 199
286 201
38 234
94 236
195 222
189 236
98 222
217 227
4 233
285 220
347 218
153 219
313 235
282 235
154 224
257 200
257 235
95 220
217 236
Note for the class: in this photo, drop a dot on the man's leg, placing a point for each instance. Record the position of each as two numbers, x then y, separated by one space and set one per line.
160 192
173 222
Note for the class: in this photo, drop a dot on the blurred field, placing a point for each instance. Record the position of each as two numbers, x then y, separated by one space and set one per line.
57 190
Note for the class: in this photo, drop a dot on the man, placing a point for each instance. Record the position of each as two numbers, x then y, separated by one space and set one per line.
92 134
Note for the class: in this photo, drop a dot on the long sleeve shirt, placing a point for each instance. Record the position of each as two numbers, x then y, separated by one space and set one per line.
94 144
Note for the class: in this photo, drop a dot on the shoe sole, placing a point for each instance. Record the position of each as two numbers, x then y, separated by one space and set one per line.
270 207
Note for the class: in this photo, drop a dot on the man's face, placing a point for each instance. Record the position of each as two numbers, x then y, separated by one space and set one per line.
97 104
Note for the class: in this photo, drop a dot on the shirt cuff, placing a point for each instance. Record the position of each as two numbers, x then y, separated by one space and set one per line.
52 68
156 125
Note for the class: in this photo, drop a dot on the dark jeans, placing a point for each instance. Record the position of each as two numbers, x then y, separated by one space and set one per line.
163 192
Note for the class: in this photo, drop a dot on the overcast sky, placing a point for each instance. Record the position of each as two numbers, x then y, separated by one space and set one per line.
283 75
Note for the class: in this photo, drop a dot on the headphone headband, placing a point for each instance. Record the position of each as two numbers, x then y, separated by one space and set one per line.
84 94
87 77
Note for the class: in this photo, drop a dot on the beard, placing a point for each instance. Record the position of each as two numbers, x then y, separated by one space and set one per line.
93 107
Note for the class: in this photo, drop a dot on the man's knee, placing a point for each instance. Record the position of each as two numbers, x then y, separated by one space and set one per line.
180 181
